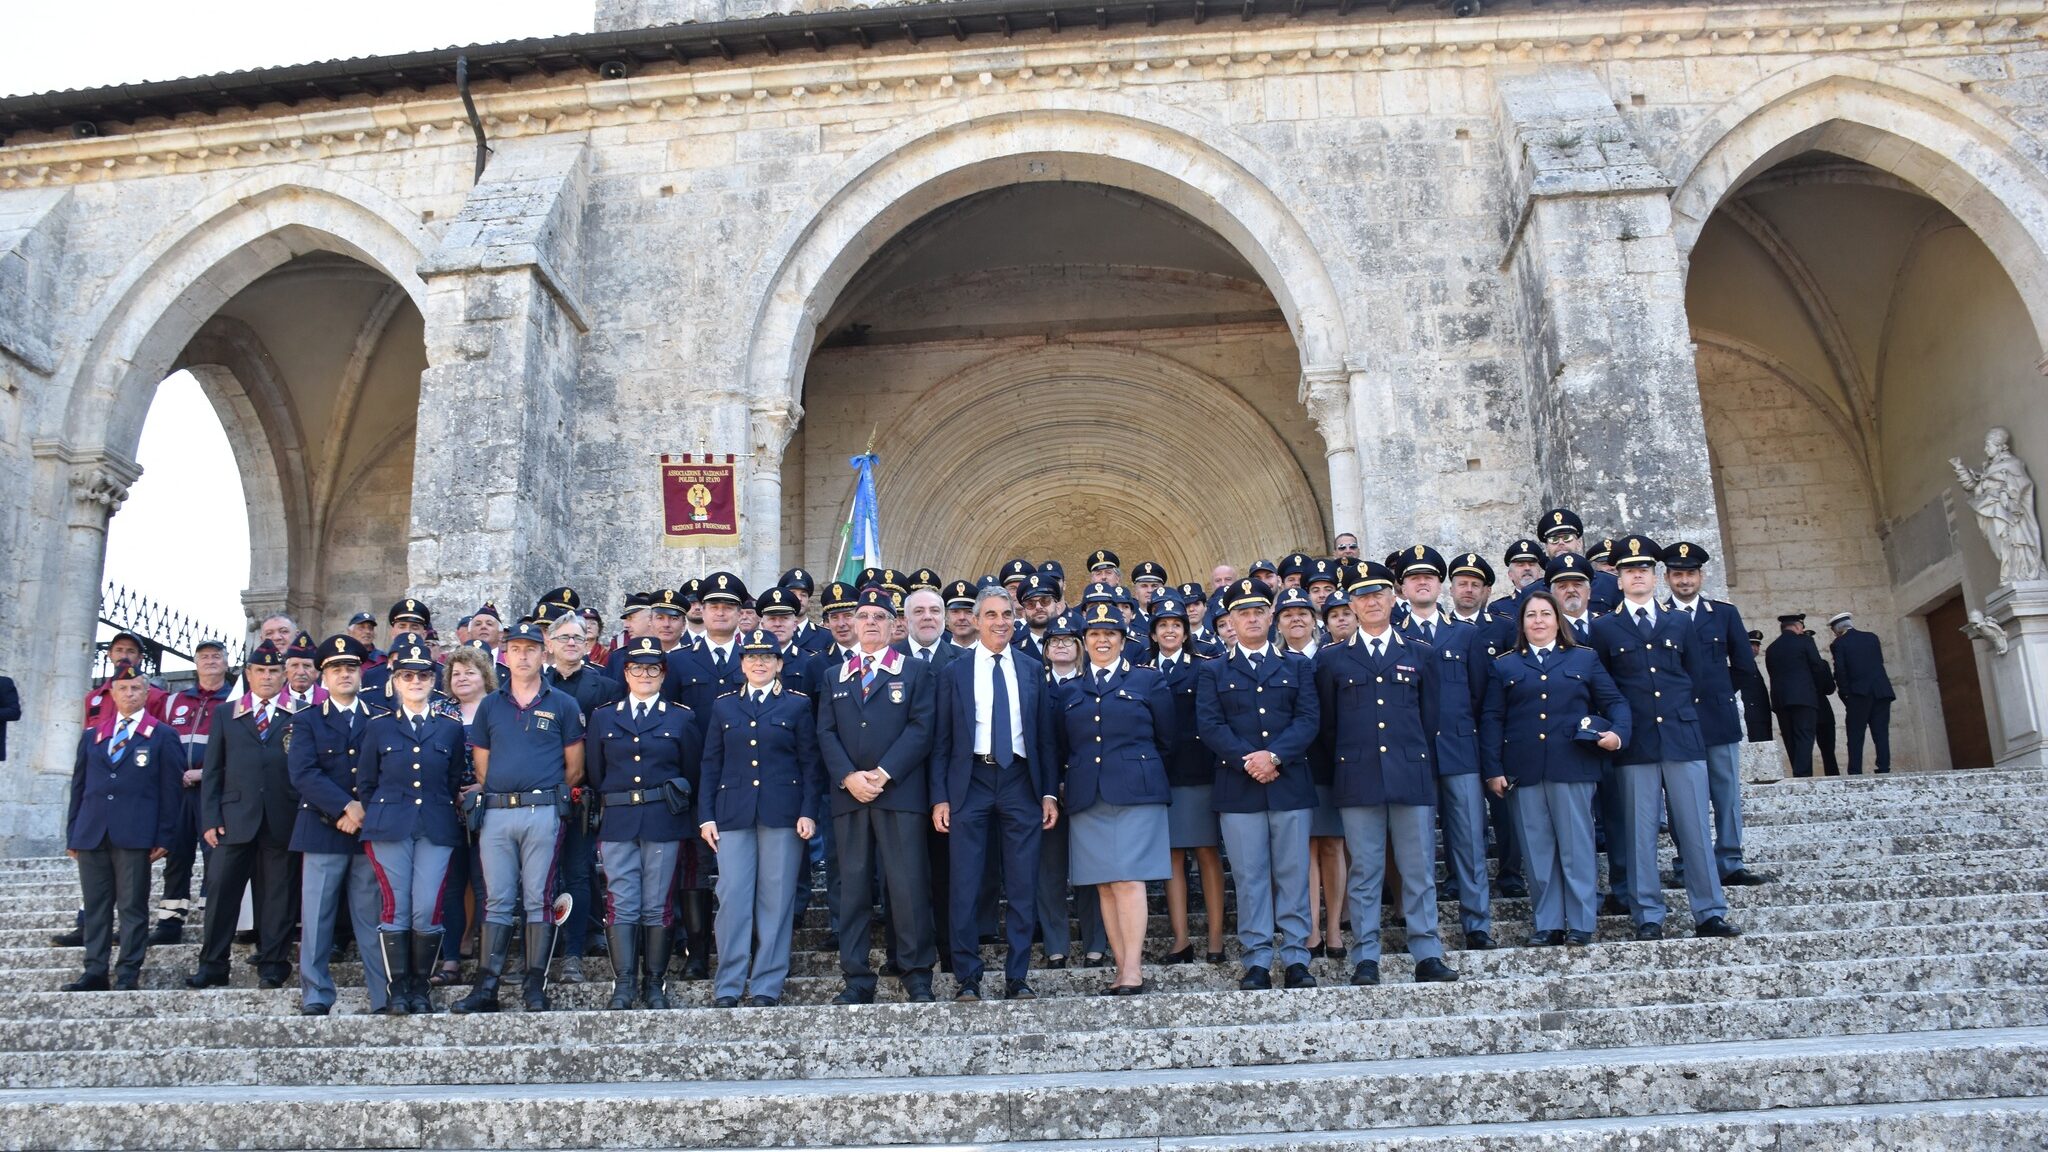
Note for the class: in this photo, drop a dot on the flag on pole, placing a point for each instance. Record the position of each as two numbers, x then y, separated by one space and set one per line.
860 541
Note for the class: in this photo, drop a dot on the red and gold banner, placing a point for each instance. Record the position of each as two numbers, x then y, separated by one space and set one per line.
700 503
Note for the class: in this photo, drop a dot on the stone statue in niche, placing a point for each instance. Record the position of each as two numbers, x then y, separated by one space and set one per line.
2002 494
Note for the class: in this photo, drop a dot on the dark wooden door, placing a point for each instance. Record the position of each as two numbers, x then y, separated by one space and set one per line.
1962 695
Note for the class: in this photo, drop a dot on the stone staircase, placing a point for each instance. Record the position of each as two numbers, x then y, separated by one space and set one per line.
1891 992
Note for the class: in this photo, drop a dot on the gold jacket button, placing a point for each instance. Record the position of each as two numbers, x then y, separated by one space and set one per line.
753 743
1543 736
636 779
415 783
1383 747
754 764
1543 715
415 800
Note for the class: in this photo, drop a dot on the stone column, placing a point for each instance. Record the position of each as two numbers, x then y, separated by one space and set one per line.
771 423
1613 392
1326 393
94 483
492 468
2018 667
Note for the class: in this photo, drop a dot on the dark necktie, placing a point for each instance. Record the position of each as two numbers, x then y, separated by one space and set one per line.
999 749
1429 631
640 713
1579 626
1643 622
1690 618
1254 658
419 727
1540 654
1101 677
1373 646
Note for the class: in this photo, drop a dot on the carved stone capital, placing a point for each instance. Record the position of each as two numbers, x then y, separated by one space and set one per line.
1326 393
772 422
96 477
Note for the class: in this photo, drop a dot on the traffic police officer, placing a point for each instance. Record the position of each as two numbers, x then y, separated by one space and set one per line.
643 765
1380 690
1257 713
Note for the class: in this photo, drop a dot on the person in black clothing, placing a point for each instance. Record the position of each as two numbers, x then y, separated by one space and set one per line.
1800 681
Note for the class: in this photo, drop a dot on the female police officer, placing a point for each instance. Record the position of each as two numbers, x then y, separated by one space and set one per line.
1550 711
1111 721
1191 771
643 764
414 763
763 787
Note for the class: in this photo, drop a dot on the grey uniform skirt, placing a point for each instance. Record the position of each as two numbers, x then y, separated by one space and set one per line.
1190 822
1107 843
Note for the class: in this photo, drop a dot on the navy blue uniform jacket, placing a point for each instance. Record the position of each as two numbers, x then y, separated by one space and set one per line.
1659 677
410 783
1462 662
133 804
1381 720
761 762
624 755
1109 737
1727 662
1240 710
322 753
1189 764
1529 723
1859 666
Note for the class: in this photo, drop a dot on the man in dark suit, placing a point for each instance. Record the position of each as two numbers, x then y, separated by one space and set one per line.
875 736
246 812
1800 679
992 776
1756 693
10 711
1865 688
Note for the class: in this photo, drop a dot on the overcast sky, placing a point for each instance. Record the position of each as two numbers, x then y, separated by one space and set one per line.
170 540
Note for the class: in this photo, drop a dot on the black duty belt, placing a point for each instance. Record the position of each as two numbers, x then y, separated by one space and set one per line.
538 798
636 796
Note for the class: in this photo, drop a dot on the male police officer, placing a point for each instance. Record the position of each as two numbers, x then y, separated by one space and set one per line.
1866 691
1563 532
1727 661
1257 712
1800 680
528 753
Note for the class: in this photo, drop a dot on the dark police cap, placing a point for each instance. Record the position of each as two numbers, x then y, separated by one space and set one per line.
409 639
1038 584
1016 570
1168 608
342 648
724 588
1472 564
410 610
1191 591
1568 566
1294 564
546 615
1634 551
266 655
361 618
488 609
1602 552
564 597
799 579
1099 593
1265 566
1371 577
668 601
1246 593
867 576
1560 522
1294 598
1522 550
958 594
839 597
637 602
1149 572
1755 637
1685 556
125 670
1792 618
1421 560
1054 569
777 601
924 578
1590 729
692 591
878 598
1102 615
1102 558
1064 624
645 650
892 580
1322 571
302 647
411 658
759 642
524 632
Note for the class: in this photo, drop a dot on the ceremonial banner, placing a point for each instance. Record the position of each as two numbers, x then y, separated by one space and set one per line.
700 504
860 539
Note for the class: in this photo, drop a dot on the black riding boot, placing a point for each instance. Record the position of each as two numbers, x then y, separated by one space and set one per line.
697 930
657 945
624 942
426 947
490 968
396 950
540 948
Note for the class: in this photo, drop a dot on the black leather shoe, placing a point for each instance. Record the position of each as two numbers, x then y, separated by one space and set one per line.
726 1002
72 939
1139 989
1298 976
830 943
1671 879
1366 974
1434 971
270 982
1649 931
1744 878
854 996
1215 957
1054 962
1551 939
169 930
1612 905
1094 960
1255 979
1513 887
917 987
1578 939
1480 942
206 979
88 984
313 1010
762 1002
1018 990
1182 956
1716 926
967 995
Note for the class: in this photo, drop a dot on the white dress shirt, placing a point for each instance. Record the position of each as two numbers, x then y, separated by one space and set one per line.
984 701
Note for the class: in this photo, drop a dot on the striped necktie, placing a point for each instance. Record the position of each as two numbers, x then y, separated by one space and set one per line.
119 747
263 721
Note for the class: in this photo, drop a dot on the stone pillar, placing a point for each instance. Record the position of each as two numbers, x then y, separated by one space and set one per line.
94 482
492 465
771 422
1326 393
1613 392
2018 666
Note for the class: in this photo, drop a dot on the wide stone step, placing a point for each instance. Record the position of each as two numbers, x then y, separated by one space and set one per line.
1517 1087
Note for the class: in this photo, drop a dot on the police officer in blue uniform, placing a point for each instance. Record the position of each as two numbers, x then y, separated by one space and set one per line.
643 768
1192 826
1727 661
527 745
1379 692
1525 561
809 636
763 788
1658 663
1257 712
1038 599
874 735
126 786
1471 585
1055 919
412 768
1551 716
1562 531
322 747
1462 660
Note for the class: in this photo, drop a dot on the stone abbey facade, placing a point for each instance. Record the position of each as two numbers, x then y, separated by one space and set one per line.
1194 281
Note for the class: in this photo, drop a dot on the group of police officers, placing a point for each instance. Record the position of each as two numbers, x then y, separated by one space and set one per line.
931 744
